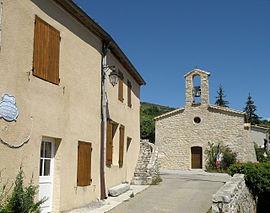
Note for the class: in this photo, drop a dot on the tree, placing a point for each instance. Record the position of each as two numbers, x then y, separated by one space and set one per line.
250 109
147 124
220 98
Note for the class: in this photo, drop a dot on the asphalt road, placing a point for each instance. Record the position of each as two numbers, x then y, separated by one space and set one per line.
184 193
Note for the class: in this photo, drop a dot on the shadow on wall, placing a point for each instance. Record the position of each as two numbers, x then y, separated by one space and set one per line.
66 19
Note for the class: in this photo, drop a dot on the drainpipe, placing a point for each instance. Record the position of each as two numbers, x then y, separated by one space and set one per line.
104 121
1 12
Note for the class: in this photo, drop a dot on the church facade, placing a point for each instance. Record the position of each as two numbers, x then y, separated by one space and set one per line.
182 135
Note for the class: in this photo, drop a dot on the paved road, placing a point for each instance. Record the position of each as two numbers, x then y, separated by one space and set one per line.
183 193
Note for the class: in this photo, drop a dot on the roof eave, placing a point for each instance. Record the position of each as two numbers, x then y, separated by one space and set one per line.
169 113
199 70
88 22
227 109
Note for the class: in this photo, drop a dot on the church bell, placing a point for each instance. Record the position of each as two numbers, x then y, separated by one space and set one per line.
197 91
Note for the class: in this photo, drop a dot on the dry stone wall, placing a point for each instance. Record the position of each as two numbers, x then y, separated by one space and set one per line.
234 197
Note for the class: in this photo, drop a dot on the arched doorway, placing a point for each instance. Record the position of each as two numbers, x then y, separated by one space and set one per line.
196 157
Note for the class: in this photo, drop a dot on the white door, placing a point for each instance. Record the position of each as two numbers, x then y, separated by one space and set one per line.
46 173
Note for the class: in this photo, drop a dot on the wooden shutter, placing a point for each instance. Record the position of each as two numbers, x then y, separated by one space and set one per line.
120 90
121 145
84 164
129 94
128 142
46 51
120 87
109 144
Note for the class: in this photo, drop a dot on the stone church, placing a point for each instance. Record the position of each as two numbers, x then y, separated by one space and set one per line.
182 135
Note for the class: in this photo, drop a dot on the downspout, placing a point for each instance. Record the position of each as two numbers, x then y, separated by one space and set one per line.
104 121
1 12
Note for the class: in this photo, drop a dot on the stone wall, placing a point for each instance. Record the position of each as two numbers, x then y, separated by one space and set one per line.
234 197
147 165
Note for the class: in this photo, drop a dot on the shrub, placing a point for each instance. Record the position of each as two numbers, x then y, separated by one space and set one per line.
257 176
22 198
211 153
3 193
261 154
156 180
229 157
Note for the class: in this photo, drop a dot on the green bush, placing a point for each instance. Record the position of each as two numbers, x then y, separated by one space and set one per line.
257 176
261 154
229 157
156 180
21 199
4 190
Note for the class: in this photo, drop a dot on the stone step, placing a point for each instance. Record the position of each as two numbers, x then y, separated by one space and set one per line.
120 189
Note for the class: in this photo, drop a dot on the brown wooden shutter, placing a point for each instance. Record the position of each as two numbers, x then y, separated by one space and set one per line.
129 94
120 90
120 86
128 142
109 144
121 145
46 51
84 164
54 51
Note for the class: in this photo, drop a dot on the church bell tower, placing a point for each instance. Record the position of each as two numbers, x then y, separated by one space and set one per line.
197 93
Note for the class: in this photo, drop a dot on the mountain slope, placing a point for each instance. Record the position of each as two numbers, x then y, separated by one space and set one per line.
147 112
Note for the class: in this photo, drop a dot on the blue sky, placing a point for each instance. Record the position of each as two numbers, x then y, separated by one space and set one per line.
166 39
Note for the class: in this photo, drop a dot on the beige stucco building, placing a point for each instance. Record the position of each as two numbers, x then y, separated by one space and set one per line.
182 135
51 65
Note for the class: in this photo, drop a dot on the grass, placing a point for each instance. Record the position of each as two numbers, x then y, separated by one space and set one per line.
156 180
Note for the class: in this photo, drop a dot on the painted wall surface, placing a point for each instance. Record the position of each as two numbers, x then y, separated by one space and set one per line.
177 132
68 112
258 135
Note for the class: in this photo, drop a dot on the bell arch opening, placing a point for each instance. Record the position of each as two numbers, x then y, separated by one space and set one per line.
196 92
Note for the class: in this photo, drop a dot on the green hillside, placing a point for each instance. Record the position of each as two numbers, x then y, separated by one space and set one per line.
147 113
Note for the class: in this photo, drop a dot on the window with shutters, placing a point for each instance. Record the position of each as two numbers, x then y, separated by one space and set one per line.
120 86
121 145
111 130
46 51
129 93
84 164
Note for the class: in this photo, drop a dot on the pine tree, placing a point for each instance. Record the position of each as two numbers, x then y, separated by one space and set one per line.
220 98
250 109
